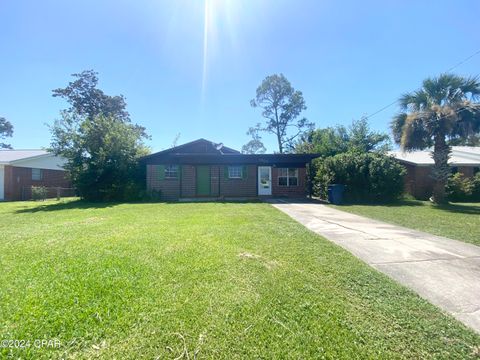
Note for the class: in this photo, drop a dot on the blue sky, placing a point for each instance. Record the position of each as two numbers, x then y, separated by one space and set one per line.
349 58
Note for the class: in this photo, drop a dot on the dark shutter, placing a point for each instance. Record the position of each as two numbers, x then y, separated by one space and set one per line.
160 172
244 172
225 172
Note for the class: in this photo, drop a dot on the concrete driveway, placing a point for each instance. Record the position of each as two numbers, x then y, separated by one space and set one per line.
445 272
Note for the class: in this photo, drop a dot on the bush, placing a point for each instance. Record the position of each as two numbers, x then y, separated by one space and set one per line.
102 155
367 176
476 187
39 192
154 195
462 188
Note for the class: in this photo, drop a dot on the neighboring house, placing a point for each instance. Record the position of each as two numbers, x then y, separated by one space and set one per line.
22 169
418 181
205 169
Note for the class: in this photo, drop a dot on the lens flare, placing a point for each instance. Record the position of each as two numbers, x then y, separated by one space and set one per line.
218 31
206 25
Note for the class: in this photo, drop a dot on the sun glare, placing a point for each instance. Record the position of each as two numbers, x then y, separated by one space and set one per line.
219 25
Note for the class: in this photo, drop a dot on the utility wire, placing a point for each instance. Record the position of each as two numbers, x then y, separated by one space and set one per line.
463 61
396 101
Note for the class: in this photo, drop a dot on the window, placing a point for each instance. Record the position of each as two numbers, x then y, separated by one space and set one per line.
287 177
454 170
283 177
292 177
171 171
476 170
37 174
235 172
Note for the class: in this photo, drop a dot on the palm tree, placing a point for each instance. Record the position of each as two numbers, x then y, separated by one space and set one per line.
444 109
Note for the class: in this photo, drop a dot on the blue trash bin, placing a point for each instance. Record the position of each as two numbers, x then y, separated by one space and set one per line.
335 193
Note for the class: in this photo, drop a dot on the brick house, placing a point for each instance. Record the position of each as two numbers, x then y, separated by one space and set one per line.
22 169
203 169
418 181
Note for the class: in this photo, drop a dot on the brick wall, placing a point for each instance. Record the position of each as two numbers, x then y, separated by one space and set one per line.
468 171
423 182
18 181
409 179
170 188
215 173
298 191
221 185
239 187
419 183
188 181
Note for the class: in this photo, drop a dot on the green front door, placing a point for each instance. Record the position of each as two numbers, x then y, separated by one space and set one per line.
203 180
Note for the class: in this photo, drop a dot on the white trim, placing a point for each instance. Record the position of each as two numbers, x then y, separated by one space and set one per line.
47 161
2 183
265 190
287 177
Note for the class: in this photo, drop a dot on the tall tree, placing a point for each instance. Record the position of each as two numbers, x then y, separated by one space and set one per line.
362 139
254 146
87 100
281 106
331 141
99 141
327 141
6 130
444 109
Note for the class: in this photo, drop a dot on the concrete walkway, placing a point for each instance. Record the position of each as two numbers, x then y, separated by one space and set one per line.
445 272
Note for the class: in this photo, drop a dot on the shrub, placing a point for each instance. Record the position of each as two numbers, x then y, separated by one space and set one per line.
154 195
476 187
367 176
462 188
39 192
102 155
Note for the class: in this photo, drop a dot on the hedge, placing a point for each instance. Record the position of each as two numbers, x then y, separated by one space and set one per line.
367 176
461 188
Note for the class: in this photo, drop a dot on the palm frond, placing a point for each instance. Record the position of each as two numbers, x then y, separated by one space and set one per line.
471 86
396 125
414 101
468 123
415 134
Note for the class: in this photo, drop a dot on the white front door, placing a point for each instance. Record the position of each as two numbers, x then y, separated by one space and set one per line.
2 182
264 180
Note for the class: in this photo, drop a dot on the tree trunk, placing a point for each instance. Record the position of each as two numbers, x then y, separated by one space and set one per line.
279 137
280 146
441 170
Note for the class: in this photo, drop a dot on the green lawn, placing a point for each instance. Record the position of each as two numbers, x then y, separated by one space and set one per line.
455 221
217 280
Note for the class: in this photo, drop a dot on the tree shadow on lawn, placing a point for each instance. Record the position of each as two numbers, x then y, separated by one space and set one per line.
462 208
69 205
85 205
212 201
394 204
459 208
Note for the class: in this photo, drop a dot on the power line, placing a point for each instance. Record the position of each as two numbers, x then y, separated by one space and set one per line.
457 112
396 101
463 61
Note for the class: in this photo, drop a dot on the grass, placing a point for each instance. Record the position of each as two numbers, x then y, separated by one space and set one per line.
211 280
460 221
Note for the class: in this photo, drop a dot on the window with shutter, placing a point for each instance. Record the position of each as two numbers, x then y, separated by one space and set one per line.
171 172
235 172
37 174
288 177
